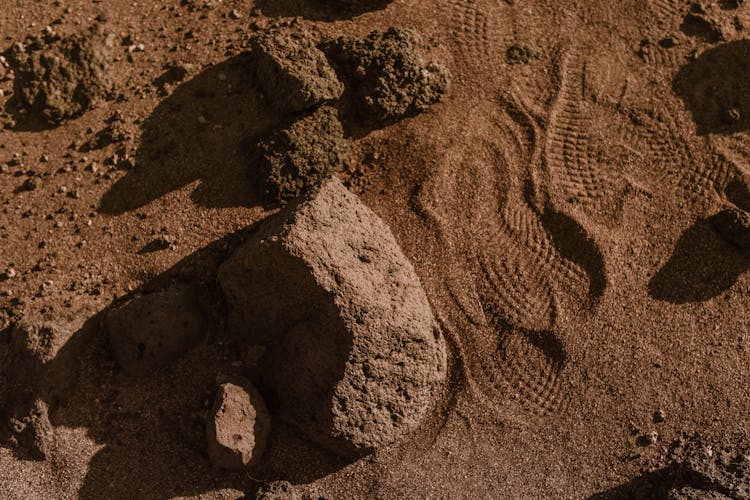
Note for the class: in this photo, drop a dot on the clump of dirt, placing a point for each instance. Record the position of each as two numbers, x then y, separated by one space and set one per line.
116 131
385 75
734 226
65 78
301 156
522 53
293 73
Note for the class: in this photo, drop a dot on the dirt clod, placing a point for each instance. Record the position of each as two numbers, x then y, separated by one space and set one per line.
522 53
277 490
300 157
293 73
353 355
238 427
64 79
385 74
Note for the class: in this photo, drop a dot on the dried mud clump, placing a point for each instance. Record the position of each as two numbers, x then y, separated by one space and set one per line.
65 78
293 73
734 226
386 76
353 358
300 157
238 427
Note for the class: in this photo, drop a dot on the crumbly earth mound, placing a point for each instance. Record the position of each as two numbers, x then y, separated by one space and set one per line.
238 427
353 355
386 76
293 73
63 79
302 156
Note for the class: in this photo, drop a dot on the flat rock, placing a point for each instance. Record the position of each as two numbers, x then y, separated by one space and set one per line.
293 73
153 330
303 155
353 355
385 74
238 427
65 78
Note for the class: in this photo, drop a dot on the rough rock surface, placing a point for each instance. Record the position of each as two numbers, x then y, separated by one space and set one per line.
734 226
238 427
63 79
155 329
302 156
293 73
353 355
385 74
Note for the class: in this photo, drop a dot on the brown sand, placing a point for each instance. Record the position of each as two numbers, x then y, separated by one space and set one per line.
556 210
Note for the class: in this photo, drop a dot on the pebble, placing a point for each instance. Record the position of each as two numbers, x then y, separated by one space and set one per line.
659 416
9 273
30 184
235 14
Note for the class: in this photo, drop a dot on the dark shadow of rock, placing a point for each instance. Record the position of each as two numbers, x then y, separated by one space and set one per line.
319 10
202 131
650 486
701 267
716 90
152 428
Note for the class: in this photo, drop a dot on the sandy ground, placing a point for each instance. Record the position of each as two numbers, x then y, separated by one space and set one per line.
555 209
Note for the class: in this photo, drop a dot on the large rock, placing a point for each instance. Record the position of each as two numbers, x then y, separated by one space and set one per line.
153 330
238 427
293 73
64 78
353 355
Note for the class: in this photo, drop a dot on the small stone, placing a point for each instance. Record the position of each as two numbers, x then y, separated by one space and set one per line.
659 416
235 14
238 427
31 184
732 116
9 273
277 490
648 439
202 120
